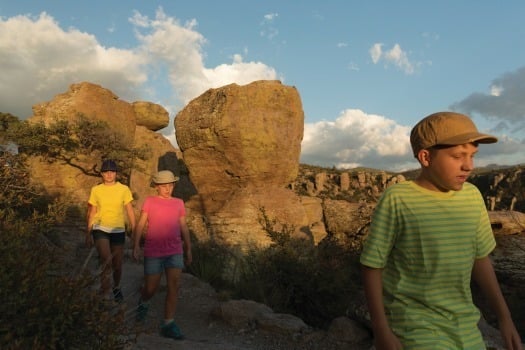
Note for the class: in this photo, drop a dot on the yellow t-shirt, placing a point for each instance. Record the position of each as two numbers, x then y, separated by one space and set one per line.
110 201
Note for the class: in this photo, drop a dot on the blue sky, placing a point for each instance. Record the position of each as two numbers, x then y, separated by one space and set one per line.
366 71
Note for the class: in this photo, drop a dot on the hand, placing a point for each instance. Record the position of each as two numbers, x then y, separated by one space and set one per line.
89 240
136 252
510 335
387 340
189 258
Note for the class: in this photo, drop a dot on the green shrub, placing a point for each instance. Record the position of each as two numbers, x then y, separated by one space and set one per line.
210 261
292 275
43 306
64 142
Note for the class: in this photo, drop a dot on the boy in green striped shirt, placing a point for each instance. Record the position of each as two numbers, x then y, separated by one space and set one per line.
427 239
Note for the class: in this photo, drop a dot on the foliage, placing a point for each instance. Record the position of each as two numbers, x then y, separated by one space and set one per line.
64 142
209 262
19 196
43 307
7 120
315 283
44 310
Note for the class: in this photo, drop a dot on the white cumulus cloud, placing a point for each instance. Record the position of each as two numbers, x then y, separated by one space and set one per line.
41 59
356 138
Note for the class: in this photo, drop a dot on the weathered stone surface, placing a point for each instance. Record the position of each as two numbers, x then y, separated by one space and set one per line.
507 222
278 323
238 223
241 313
161 155
241 136
91 101
151 115
349 331
314 213
247 314
345 182
241 145
345 219
60 180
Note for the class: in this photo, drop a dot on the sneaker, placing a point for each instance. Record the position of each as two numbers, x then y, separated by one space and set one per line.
171 330
142 311
117 295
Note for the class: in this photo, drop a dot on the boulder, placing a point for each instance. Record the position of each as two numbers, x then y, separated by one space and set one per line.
507 222
314 212
349 331
241 145
346 220
150 115
94 102
247 314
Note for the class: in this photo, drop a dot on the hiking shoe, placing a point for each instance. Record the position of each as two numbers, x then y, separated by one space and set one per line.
142 311
117 295
171 330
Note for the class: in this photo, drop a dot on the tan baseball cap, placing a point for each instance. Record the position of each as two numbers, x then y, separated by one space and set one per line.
446 128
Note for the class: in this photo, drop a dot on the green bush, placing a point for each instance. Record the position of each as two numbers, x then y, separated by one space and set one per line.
64 142
43 309
43 306
292 275
210 261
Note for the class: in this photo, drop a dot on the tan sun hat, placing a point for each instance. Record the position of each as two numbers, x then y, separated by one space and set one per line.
164 177
448 129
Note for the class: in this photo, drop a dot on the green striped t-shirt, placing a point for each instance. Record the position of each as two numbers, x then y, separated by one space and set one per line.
427 242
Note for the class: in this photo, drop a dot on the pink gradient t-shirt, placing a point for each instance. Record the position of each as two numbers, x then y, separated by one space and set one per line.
163 235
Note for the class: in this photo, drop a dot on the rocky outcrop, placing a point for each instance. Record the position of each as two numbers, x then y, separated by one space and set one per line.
241 145
503 189
507 222
94 102
150 115
347 221
337 191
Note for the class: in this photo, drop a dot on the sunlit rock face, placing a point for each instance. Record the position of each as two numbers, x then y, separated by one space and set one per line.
241 145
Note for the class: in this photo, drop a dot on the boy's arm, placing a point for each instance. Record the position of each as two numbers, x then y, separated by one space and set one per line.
384 338
484 275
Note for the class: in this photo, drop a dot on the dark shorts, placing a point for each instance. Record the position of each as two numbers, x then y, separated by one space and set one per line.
155 265
115 238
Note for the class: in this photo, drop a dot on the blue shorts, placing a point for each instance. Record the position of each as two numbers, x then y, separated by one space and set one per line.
115 238
155 265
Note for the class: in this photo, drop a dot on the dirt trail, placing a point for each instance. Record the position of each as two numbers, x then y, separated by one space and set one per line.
197 299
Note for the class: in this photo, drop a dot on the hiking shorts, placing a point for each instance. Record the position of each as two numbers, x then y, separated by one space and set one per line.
155 265
115 238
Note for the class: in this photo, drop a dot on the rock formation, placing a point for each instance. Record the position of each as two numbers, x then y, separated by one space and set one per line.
134 123
241 148
241 145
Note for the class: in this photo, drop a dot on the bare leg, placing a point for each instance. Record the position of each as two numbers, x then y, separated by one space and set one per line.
151 284
173 283
104 256
118 254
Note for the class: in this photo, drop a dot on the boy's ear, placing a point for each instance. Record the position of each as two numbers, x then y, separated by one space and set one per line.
424 157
